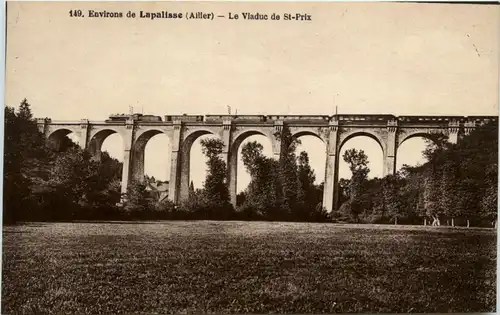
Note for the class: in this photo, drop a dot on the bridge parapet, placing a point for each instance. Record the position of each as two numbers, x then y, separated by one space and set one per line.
430 119
216 118
317 118
364 118
187 118
481 120
249 118
439 119
43 120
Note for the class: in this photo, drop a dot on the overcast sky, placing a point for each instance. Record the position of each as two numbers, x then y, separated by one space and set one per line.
401 59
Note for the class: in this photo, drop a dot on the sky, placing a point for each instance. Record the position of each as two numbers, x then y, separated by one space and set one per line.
369 58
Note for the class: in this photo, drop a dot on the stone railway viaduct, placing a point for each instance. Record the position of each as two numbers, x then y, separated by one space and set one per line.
135 130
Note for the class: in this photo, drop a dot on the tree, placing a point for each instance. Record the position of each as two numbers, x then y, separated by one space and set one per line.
374 201
287 173
344 193
306 176
105 190
215 186
309 198
69 183
448 192
412 196
261 195
240 198
489 203
24 111
16 187
24 149
436 145
149 179
191 189
281 189
392 197
137 202
431 198
251 153
358 164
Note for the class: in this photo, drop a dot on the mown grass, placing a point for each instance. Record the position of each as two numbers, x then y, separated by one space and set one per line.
245 267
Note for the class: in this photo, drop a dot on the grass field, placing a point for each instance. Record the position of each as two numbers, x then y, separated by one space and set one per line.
245 267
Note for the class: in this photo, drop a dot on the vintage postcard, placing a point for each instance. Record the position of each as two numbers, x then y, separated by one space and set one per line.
250 157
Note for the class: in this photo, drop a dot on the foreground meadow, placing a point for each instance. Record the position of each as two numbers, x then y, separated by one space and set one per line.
245 267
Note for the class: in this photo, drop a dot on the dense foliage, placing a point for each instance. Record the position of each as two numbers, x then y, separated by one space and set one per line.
211 202
281 189
458 185
40 184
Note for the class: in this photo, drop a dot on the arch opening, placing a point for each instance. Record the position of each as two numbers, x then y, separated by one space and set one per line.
316 152
152 153
308 134
410 152
363 134
109 141
193 167
240 176
110 154
370 146
111 149
157 159
422 135
152 160
62 139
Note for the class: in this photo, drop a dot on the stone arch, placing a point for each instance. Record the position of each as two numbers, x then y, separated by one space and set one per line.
233 158
97 138
239 138
377 135
300 133
411 154
268 132
185 152
144 137
190 138
56 137
147 134
190 134
428 134
360 133
317 152
139 151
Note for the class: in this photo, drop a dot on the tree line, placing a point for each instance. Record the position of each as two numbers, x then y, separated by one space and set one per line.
41 184
457 185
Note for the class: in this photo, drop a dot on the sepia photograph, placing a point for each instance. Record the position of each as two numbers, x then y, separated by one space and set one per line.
250 157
